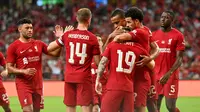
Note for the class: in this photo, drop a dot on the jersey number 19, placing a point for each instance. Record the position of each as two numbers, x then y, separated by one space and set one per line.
129 60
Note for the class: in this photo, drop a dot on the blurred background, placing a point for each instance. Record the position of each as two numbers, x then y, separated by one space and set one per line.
45 14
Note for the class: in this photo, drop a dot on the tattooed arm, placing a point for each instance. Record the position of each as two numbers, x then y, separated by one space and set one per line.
101 68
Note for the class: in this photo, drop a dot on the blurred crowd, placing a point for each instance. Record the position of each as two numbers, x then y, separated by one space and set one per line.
46 17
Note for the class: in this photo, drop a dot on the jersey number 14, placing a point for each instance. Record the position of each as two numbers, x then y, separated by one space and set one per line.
75 50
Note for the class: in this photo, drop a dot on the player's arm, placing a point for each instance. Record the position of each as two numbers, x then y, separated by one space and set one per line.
123 37
153 54
54 48
151 65
116 32
55 52
175 66
55 45
154 50
11 69
101 68
96 59
178 61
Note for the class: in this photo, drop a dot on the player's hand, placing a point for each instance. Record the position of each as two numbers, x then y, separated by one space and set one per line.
4 73
145 60
95 108
58 31
152 91
164 79
98 87
68 28
30 71
117 31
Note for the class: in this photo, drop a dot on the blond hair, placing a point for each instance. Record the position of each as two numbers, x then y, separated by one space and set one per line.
83 15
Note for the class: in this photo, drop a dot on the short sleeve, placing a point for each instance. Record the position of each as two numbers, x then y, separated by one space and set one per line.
11 55
96 50
44 47
134 35
151 39
2 60
181 43
138 36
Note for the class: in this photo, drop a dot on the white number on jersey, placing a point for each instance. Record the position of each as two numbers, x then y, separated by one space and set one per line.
81 54
5 98
130 62
172 90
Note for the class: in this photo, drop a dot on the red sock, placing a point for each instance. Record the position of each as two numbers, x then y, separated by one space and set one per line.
177 110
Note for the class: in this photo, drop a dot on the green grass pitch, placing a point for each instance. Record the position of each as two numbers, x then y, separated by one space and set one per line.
55 104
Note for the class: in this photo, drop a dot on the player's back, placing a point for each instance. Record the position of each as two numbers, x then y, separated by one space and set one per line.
122 61
81 46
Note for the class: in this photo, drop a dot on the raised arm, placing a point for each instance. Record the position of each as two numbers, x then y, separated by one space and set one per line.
54 48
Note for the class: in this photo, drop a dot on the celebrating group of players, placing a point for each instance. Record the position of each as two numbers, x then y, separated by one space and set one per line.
136 67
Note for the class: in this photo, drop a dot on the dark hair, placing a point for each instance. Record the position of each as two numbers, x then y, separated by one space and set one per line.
135 13
119 12
24 21
172 14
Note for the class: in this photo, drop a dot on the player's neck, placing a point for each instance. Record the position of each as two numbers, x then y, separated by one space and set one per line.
139 25
24 40
82 27
166 29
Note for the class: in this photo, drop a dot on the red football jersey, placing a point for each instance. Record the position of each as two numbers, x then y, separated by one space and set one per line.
122 58
169 43
81 46
2 63
142 36
27 55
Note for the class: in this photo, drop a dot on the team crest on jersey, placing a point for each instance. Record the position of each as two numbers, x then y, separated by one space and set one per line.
30 50
163 42
36 48
169 41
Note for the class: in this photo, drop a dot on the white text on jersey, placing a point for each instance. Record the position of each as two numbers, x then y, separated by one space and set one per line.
79 36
